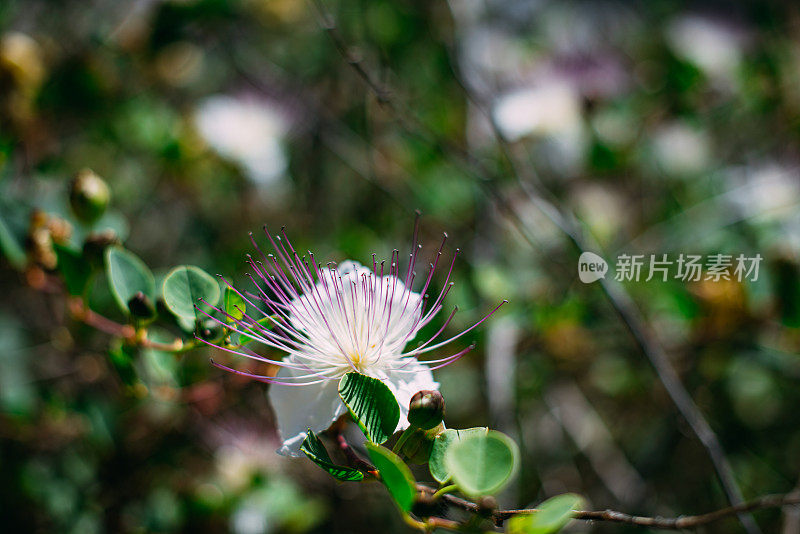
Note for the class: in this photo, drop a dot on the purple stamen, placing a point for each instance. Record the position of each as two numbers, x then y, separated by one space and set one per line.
323 329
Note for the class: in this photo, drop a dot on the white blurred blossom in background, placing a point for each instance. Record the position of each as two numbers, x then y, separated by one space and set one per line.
247 131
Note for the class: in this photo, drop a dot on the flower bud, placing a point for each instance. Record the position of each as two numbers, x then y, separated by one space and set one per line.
88 196
208 331
21 60
141 306
487 505
39 242
426 409
60 229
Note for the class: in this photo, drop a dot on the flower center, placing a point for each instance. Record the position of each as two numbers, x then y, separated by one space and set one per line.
360 362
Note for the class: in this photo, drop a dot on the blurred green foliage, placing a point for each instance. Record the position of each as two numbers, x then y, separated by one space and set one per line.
665 130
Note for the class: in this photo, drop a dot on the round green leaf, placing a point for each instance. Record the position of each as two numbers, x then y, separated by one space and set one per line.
372 405
127 275
552 515
436 462
395 475
481 464
185 285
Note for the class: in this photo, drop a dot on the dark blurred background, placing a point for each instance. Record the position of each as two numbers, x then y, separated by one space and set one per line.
664 127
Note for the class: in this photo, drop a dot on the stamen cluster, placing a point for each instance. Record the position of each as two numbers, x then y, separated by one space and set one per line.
332 319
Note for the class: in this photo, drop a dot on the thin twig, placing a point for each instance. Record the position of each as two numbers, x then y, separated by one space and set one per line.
791 517
667 523
80 311
440 522
329 25
500 516
83 313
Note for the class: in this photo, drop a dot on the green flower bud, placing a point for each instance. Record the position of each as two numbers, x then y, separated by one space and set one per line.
88 196
141 306
426 409
487 505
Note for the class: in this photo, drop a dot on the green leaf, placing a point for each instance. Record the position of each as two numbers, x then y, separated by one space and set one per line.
11 247
417 444
234 305
187 324
184 286
395 475
157 369
74 268
552 516
313 448
436 462
122 358
372 405
481 464
244 339
127 275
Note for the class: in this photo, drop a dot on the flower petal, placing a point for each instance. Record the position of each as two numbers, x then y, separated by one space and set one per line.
299 408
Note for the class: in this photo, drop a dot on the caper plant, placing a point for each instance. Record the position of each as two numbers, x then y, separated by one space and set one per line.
343 331
338 345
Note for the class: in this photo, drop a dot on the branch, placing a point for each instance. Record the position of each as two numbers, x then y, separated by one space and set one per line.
666 523
628 312
329 25
80 311
83 313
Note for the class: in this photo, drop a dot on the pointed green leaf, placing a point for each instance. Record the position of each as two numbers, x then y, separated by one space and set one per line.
552 516
436 462
395 475
313 448
372 405
481 464
74 268
184 286
127 275
234 305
